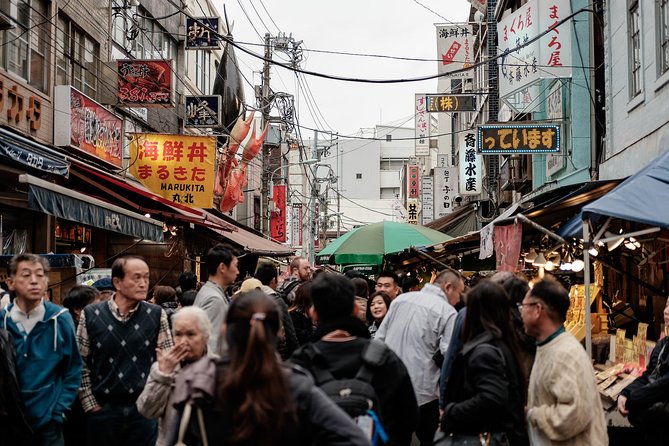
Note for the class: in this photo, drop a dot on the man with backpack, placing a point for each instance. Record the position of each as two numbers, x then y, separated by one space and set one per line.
353 370
300 272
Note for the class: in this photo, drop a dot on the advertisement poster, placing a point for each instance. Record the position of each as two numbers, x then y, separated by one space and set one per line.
145 83
85 125
277 220
179 168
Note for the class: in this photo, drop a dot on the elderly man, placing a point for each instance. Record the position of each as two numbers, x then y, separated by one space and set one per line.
418 327
48 365
118 340
563 402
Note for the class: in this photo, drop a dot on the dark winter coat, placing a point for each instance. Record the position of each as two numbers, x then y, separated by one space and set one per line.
484 392
642 393
14 426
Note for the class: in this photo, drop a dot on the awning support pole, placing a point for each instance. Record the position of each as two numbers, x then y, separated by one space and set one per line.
540 228
435 260
586 284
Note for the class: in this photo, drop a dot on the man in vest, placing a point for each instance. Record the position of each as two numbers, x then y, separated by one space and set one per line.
118 341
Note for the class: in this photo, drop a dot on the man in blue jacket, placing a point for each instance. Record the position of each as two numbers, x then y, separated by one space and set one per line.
48 363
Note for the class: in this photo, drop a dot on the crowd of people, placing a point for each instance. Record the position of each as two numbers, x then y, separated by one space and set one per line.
328 360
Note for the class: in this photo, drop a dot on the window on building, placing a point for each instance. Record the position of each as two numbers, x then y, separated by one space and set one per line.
141 35
24 49
77 56
389 137
634 32
663 35
358 176
202 70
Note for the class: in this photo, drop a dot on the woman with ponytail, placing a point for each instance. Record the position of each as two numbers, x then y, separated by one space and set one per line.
249 397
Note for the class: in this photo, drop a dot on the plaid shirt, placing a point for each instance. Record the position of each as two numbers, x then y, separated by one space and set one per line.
164 343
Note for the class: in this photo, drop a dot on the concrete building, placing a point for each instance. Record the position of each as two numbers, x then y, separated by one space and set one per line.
636 41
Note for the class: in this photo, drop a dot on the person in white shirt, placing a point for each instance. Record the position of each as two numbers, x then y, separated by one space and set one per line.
418 328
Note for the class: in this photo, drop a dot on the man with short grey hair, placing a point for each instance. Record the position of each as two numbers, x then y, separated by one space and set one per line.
418 328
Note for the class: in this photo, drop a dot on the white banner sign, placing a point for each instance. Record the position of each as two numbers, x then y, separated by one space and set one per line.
296 225
455 47
555 162
547 57
422 126
427 198
471 164
445 189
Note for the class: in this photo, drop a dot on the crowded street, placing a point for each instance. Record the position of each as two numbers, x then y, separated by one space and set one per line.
397 223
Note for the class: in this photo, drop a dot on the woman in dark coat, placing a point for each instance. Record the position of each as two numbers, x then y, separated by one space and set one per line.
485 393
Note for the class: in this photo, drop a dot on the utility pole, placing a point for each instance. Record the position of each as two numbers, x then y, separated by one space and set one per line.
265 106
312 218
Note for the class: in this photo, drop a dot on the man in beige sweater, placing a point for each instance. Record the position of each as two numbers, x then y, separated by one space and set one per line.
564 407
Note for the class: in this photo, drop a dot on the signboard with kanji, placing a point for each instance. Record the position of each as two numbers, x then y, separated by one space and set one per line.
85 125
519 138
554 163
413 181
547 57
296 225
421 118
144 83
471 165
451 103
445 189
179 168
427 199
455 50
412 211
202 33
203 111
278 216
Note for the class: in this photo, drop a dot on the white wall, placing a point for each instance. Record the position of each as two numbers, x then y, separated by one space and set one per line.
637 129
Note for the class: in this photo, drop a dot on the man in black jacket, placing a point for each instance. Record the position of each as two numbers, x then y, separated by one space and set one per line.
342 337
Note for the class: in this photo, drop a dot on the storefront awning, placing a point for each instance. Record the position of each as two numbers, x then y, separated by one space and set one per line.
24 151
254 244
70 205
640 198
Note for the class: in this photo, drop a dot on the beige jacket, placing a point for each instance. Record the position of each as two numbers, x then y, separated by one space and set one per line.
563 401
155 401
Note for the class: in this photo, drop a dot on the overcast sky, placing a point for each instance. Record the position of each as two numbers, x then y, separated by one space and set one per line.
401 28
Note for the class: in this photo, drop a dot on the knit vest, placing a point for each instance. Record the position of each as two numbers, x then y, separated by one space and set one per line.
121 353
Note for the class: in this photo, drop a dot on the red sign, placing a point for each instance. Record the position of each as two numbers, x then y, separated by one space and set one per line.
145 82
278 216
413 182
507 240
450 54
83 124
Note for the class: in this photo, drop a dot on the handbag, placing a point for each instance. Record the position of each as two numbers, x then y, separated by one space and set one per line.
482 439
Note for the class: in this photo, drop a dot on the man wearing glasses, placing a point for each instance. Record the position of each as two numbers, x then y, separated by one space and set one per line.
563 403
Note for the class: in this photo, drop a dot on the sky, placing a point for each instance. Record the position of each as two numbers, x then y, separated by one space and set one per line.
400 28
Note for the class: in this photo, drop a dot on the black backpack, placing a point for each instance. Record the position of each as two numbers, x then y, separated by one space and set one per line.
355 396
285 292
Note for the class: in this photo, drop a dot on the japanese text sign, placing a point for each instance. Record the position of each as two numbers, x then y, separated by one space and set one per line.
179 168
83 124
554 163
412 211
296 225
445 189
451 103
427 200
421 119
520 138
413 181
278 216
19 106
203 111
455 47
202 32
547 57
145 82
471 165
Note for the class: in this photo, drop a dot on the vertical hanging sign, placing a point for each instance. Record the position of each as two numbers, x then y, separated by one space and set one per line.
278 216
296 225
427 199
422 126
471 165
455 45
413 182
412 210
445 189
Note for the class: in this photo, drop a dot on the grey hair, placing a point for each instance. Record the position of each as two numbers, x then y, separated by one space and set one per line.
201 317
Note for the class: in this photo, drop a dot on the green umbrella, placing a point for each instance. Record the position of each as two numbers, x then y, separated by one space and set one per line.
368 244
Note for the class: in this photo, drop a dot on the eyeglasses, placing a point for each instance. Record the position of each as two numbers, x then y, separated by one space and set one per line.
520 305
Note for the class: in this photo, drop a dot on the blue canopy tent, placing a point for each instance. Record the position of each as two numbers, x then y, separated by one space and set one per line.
640 198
